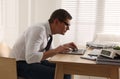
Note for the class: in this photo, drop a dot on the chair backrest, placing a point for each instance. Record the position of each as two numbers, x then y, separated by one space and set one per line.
7 65
8 68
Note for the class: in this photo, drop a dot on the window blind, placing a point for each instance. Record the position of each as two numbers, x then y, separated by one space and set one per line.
91 17
84 19
112 16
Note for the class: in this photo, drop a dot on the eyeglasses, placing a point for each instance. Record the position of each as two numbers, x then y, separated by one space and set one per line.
66 24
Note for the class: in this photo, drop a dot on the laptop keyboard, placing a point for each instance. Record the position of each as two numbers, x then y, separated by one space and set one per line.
79 51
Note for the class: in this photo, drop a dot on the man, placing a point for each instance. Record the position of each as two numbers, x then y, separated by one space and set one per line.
31 50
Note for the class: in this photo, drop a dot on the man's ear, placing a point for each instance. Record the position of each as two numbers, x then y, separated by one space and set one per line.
56 21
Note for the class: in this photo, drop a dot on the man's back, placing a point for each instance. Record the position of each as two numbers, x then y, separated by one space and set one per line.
33 39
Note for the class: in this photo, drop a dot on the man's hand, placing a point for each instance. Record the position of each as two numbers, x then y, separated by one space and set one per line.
71 45
66 48
60 49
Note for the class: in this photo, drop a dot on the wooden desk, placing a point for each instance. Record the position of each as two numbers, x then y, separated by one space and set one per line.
73 64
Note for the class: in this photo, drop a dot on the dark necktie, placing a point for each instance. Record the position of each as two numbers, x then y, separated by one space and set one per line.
49 43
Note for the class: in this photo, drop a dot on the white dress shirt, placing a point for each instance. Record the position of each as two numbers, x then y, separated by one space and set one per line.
30 42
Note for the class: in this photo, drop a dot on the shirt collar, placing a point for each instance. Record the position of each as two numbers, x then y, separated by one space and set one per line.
48 29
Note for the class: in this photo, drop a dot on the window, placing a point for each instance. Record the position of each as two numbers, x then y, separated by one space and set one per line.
84 20
91 17
112 16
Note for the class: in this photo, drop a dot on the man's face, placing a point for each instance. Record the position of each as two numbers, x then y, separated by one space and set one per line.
63 27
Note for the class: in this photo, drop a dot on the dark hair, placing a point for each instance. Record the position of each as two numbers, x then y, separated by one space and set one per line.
60 14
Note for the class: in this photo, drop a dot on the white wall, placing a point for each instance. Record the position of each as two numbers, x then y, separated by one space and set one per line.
33 11
43 9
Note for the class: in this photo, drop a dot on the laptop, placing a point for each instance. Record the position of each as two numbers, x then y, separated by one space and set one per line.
77 51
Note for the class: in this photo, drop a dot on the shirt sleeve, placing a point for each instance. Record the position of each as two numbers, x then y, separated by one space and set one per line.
34 39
